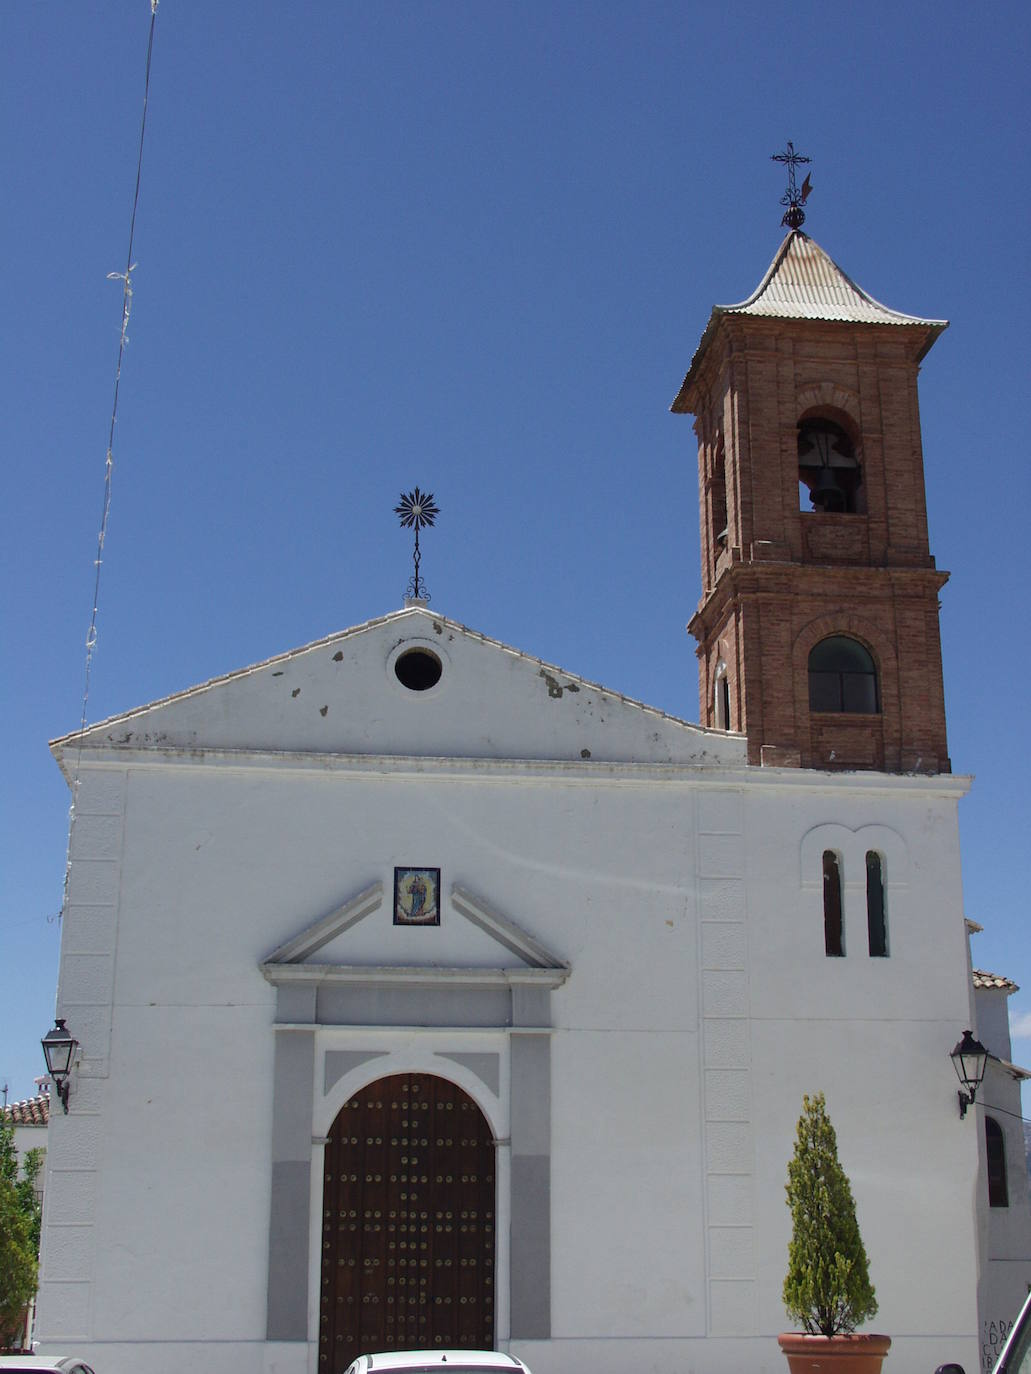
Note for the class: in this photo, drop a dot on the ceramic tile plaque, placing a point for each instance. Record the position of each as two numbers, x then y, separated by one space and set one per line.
417 896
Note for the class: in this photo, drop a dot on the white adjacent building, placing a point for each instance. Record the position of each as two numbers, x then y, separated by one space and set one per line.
1003 1191
429 994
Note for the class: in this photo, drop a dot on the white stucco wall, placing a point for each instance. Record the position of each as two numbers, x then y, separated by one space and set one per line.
699 1008
1005 1232
29 1137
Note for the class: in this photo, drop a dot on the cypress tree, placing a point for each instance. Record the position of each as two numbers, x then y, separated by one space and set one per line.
828 1286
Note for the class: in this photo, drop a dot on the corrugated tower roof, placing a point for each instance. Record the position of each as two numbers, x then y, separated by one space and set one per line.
805 283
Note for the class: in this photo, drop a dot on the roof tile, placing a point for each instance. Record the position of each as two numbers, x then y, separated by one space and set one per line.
32 1111
982 979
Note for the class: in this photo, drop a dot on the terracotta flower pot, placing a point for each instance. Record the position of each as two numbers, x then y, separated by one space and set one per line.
858 1353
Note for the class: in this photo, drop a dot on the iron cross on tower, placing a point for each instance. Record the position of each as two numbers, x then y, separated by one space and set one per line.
417 511
794 198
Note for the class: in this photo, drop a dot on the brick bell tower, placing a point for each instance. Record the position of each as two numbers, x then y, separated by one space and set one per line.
818 628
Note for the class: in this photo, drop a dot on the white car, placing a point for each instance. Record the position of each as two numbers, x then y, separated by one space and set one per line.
43 1364
438 1362
1015 1355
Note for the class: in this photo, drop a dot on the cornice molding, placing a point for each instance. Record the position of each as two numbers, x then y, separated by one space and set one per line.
386 976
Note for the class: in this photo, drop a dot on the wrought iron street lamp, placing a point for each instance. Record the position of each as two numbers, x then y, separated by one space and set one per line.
969 1059
59 1047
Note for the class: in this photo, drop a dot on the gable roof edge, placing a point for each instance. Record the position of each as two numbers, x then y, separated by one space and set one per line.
79 737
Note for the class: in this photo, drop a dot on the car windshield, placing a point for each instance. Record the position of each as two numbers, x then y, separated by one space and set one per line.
1017 1357
1016 1353
440 1368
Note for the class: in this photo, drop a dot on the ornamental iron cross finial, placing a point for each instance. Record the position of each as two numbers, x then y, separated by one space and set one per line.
417 511
794 197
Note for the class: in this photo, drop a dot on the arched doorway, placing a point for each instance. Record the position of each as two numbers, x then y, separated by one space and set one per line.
407 1222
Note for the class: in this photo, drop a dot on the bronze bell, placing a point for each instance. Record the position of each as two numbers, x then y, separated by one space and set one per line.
826 494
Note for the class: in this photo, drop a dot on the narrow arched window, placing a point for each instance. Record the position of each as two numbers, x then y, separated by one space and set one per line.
995 1148
718 503
833 931
842 677
876 916
722 698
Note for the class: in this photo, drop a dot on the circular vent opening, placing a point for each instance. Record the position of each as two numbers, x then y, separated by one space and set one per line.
418 670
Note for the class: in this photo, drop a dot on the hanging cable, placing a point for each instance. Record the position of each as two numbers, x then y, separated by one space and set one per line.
1003 1112
126 279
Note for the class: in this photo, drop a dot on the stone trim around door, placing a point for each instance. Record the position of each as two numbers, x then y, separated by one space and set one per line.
359 1000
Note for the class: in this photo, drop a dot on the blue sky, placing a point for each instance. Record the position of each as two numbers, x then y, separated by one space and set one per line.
472 246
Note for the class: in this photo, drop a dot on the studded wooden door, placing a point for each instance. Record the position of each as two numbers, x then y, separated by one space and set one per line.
407 1223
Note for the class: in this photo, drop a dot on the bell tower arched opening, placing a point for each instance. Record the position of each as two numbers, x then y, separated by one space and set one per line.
830 478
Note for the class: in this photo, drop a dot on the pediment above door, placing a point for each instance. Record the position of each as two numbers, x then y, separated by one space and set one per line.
354 966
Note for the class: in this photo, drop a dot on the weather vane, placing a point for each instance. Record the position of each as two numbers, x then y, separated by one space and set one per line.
793 198
417 511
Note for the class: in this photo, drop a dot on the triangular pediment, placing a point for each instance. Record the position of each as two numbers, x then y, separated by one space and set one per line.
359 941
345 696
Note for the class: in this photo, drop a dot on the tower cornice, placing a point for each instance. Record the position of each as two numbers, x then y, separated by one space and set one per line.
772 581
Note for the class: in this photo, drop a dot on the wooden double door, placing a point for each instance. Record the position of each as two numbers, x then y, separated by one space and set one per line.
408 1223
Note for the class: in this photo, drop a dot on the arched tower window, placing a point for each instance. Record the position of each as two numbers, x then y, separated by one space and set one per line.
876 915
718 501
833 928
829 476
842 677
995 1149
721 695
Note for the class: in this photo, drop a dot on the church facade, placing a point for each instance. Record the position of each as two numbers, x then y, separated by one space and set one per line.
430 995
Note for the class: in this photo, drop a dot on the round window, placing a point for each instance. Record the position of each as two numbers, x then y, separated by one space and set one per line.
418 669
